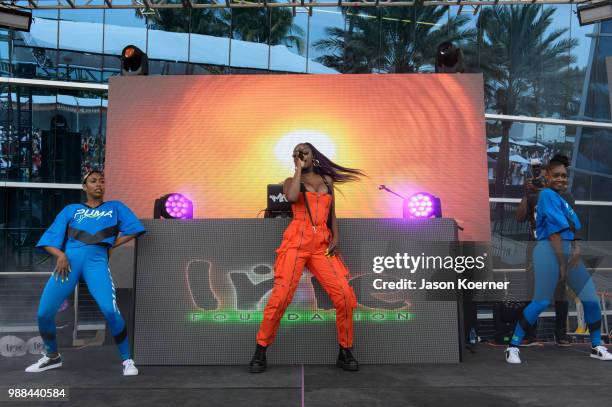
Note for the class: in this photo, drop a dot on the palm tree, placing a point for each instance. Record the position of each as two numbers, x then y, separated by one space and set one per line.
410 40
400 40
523 62
273 26
355 48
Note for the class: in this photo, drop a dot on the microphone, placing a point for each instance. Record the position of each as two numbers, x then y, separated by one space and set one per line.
384 187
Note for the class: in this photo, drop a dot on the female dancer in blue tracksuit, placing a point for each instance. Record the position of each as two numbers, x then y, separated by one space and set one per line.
556 259
81 238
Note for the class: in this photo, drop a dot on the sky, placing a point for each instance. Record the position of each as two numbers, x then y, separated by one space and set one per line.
564 17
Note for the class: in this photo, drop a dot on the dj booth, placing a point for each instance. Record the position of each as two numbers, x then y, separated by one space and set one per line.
201 285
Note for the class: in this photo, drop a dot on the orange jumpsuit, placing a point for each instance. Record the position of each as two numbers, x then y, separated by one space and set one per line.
305 245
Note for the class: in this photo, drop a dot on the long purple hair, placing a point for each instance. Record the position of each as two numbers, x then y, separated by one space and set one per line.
338 173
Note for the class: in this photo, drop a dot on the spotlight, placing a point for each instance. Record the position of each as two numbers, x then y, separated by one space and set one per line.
134 61
594 12
449 59
15 18
422 205
173 206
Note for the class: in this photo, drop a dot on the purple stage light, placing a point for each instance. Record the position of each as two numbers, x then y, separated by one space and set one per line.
179 207
422 205
173 206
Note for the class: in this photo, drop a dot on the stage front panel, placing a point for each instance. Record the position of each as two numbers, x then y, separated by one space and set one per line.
201 287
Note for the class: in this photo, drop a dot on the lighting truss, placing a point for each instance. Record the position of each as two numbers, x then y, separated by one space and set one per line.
211 4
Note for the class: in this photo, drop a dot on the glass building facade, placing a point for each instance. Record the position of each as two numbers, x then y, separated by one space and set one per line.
536 61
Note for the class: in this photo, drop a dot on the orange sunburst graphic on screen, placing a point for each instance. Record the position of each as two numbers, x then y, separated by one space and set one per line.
221 139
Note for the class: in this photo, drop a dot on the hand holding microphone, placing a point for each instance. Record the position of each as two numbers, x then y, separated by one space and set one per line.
298 160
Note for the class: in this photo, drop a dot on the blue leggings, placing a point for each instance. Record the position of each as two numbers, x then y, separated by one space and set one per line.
546 270
89 262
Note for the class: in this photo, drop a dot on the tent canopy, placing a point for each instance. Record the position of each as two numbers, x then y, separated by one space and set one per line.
518 159
88 37
522 143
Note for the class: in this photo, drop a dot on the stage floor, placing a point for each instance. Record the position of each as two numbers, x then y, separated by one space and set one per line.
549 376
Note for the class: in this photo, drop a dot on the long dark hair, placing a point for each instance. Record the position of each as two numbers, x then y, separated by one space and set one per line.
338 173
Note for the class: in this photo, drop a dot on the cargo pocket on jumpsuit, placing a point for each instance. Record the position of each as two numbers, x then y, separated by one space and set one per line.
344 273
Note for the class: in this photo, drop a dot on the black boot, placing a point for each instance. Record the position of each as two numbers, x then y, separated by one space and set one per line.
346 360
258 363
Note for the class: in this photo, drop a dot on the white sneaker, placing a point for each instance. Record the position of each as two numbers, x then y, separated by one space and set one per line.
600 352
45 363
129 369
513 355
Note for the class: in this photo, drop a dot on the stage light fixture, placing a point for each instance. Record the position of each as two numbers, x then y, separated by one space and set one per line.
449 58
422 205
173 206
134 61
594 12
15 18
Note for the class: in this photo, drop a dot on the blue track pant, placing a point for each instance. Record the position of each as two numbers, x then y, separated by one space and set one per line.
89 262
546 270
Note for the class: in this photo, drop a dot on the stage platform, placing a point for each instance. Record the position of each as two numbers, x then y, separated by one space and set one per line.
549 376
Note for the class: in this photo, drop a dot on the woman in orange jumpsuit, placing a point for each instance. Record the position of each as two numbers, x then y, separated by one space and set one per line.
311 240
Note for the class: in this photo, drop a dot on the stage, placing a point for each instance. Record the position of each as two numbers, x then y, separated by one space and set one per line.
549 376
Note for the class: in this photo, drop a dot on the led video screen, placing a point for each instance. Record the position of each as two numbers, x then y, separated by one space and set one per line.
201 287
220 140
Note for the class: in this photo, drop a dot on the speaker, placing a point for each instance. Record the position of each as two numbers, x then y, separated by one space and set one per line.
60 156
505 315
